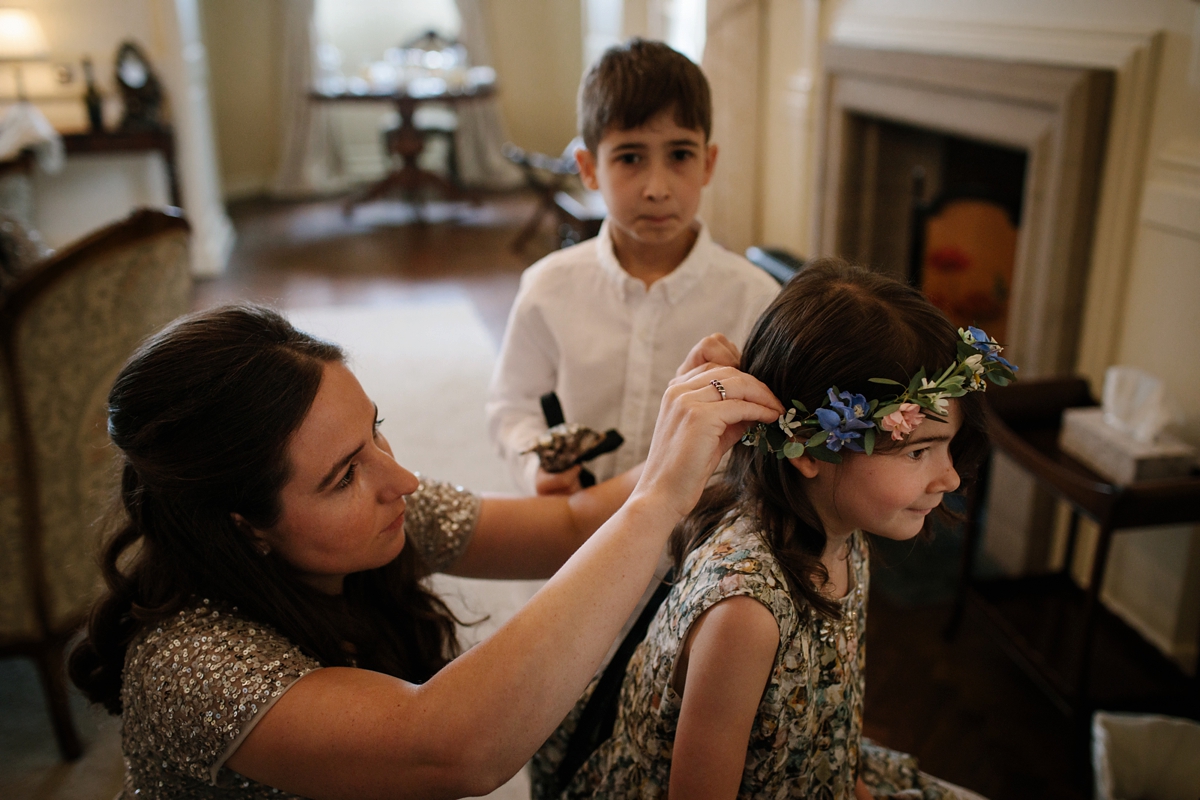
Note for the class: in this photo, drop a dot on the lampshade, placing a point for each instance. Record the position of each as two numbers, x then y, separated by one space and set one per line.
21 36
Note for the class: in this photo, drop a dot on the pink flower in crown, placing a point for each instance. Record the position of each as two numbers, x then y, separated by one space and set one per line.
903 420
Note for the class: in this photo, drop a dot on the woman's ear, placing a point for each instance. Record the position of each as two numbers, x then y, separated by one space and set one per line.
255 536
808 466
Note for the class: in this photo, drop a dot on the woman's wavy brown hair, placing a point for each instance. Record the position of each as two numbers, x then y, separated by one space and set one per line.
832 325
202 414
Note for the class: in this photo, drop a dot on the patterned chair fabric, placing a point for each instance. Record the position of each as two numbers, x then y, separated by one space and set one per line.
66 329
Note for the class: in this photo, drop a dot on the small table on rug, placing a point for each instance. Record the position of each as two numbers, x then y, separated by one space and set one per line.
407 140
1061 634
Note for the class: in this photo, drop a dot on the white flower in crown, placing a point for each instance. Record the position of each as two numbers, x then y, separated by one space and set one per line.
975 364
789 424
937 400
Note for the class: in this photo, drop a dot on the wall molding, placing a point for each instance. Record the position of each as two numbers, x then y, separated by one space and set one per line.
1118 213
1185 653
1057 45
1172 208
1172 199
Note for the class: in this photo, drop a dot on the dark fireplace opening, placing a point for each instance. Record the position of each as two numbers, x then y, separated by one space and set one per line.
940 210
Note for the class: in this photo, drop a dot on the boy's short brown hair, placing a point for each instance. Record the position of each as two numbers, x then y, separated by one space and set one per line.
636 80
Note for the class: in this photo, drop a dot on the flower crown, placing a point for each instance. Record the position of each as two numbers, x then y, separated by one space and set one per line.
851 421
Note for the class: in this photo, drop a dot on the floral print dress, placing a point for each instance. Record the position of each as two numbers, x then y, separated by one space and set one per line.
806 741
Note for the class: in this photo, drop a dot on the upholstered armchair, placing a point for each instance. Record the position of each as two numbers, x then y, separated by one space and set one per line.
66 328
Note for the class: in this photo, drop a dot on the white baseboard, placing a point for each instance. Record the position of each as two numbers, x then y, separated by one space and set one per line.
1182 653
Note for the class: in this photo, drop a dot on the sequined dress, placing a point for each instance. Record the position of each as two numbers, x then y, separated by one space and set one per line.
805 741
194 686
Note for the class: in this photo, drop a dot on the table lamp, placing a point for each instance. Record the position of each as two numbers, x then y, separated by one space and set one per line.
24 126
21 40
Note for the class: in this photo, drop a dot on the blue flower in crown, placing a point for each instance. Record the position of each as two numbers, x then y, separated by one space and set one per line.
986 345
843 429
851 406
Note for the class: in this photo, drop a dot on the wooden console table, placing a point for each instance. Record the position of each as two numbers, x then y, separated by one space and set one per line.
129 142
1063 636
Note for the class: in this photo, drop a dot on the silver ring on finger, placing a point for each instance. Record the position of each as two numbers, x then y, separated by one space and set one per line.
717 385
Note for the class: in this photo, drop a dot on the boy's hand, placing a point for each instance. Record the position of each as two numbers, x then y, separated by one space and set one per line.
712 349
558 482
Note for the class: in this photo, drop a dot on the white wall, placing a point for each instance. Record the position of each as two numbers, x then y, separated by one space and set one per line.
538 49
244 41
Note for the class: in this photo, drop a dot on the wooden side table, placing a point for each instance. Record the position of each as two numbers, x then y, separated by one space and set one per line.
1062 635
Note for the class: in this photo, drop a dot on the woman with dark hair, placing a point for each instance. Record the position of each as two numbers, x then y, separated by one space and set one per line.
265 627
749 682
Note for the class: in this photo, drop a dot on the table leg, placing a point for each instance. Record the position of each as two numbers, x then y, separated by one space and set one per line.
1084 674
1072 538
972 536
408 142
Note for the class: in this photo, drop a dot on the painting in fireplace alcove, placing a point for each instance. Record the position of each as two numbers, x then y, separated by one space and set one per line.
963 241
965 268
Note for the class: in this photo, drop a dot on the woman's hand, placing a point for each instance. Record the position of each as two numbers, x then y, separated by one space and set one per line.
696 426
558 483
715 350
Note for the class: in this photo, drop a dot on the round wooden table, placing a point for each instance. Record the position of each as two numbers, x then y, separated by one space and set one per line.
407 140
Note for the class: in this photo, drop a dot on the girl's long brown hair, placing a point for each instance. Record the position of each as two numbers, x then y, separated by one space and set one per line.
202 414
831 325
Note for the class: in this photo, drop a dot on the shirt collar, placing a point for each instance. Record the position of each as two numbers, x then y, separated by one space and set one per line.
681 280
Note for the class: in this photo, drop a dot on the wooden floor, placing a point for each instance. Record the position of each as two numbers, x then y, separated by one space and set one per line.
304 255
964 709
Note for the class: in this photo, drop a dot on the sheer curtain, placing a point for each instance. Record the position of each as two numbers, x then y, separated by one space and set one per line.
481 131
310 161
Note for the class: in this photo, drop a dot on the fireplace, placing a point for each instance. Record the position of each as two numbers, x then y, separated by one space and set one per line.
943 212
901 128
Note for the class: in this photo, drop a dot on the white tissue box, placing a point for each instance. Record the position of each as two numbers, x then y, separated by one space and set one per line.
1115 455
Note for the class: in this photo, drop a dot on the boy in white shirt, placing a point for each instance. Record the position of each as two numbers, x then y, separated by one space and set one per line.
605 323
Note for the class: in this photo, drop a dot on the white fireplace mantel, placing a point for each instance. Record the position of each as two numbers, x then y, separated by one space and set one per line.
1127 43
1056 45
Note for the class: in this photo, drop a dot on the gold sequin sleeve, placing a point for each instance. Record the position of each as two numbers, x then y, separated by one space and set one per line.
439 521
193 687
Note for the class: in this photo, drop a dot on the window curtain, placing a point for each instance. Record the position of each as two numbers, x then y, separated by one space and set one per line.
481 133
310 160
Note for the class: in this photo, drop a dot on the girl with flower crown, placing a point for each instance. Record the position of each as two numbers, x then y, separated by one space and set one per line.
749 681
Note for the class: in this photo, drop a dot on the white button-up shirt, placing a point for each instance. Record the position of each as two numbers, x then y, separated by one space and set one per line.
583 327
